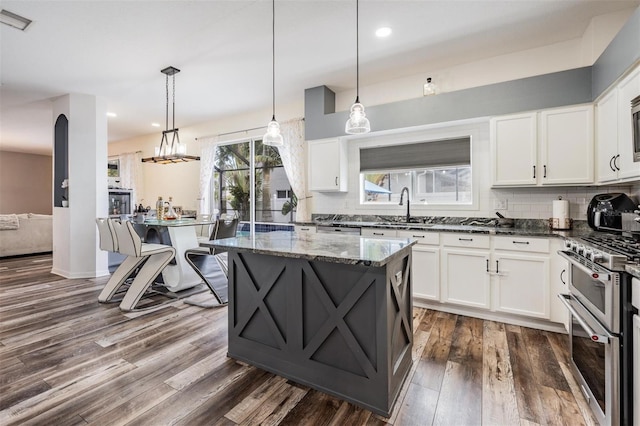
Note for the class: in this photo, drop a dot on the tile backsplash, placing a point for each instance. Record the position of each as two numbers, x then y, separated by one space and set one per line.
536 203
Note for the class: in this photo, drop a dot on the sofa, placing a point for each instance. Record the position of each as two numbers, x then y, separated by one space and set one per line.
25 233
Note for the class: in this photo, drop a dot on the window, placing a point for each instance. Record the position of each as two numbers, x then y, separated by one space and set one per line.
231 182
435 172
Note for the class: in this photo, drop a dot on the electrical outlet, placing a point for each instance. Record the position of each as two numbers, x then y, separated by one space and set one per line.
499 204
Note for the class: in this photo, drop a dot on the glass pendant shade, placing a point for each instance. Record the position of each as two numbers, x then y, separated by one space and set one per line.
273 137
358 121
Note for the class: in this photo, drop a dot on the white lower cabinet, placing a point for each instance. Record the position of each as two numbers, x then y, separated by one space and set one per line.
520 270
464 277
521 284
501 274
558 283
464 265
425 264
504 274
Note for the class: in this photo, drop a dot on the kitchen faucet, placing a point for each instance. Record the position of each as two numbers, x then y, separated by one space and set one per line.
408 203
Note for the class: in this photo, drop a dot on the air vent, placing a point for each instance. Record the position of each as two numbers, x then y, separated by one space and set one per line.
13 20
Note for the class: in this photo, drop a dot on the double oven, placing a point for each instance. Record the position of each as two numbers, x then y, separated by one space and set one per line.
601 323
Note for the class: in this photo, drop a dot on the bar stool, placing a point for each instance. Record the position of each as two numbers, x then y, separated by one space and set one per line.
210 265
155 256
109 242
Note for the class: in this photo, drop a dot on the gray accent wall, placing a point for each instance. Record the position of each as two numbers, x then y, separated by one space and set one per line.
618 57
539 92
576 86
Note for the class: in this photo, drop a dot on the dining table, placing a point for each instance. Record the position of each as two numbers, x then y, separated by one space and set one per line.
182 235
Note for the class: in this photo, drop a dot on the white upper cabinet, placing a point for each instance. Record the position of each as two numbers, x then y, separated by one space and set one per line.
566 141
514 144
328 165
607 137
614 137
549 147
628 89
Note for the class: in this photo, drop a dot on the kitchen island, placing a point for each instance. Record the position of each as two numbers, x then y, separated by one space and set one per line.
333 312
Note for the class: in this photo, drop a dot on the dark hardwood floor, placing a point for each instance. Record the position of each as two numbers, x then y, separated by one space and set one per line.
68 360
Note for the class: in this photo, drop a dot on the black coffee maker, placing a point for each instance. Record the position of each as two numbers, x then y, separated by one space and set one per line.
605 211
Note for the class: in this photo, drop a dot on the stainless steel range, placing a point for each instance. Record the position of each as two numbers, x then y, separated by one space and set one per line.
601 322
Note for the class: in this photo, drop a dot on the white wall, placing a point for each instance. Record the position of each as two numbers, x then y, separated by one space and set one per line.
181 181
529 203
576 53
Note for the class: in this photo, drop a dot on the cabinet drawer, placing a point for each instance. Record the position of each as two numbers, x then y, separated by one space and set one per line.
377 232
532 245
432 238
466 240
305 228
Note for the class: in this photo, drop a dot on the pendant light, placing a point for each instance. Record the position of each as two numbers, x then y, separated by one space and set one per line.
174 152
273 137
358 121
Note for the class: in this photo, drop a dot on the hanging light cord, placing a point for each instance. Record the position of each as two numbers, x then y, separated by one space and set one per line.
357 53
173 111
273 57
166 115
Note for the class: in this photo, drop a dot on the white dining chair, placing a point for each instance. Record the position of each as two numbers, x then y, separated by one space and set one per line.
124 272
155 257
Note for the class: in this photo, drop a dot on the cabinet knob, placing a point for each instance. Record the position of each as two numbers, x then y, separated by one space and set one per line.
336 180
534 172
615 162
611 163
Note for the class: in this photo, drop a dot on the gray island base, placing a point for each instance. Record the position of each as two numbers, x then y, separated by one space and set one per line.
333 312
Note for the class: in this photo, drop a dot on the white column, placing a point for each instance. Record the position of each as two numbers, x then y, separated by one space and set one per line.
75 236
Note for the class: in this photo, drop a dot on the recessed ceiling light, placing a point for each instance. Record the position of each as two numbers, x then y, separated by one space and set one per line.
383 32
155 124
13 20
112 114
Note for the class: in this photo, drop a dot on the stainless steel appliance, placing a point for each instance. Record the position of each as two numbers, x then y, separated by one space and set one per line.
635 122
604 212
601 319
120 202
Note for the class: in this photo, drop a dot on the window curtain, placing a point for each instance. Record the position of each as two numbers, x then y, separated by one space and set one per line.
131 175
293 160
207 164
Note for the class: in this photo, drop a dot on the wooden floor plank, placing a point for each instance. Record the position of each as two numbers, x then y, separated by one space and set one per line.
543 360
560 407
69 360
432 364
524 379
460 400
499 404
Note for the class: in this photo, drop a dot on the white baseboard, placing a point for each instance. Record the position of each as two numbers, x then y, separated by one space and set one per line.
536 323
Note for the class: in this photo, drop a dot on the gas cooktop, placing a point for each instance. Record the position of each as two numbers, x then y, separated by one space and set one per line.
612 251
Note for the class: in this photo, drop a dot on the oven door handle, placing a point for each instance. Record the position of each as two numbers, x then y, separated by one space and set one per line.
600 276
596 337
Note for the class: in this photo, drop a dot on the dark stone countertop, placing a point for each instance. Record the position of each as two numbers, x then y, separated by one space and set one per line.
347 249
521 227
